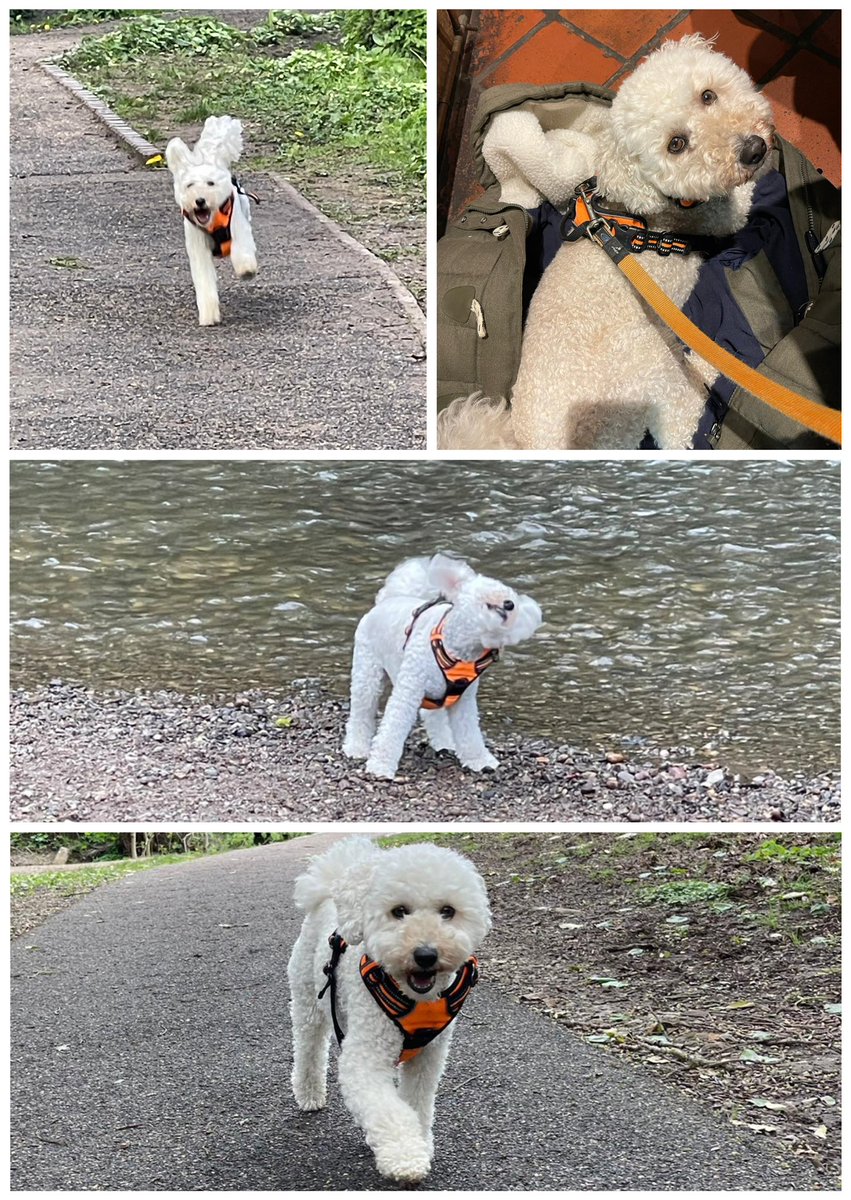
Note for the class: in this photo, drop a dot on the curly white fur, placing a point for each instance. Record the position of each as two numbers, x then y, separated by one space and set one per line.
360 891
598 369
203 183
481 614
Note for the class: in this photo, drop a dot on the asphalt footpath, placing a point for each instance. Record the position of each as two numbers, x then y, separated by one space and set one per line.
150 1049
316 353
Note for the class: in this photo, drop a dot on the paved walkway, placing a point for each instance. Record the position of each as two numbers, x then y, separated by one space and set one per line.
106 352
150 1050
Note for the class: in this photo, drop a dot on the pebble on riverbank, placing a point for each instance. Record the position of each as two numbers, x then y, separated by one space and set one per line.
78 754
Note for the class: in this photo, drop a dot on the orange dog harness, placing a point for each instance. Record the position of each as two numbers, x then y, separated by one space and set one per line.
458 673
585 209
419 1022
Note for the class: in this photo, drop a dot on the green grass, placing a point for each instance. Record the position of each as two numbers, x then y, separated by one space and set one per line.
83 879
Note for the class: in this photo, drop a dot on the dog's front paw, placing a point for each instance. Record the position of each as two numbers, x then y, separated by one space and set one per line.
209 314
406 1162
381 768
485 762
310 1099
355 749
245 268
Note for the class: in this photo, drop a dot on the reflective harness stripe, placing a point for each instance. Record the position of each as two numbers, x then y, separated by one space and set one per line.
459 673
419 1021
585 207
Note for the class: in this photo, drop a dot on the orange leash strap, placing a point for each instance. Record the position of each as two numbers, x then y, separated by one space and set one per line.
827 422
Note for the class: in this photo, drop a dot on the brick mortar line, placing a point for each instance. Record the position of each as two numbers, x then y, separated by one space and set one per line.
128 135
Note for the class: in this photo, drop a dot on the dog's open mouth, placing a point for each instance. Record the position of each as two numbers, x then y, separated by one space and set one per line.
202 215
421 981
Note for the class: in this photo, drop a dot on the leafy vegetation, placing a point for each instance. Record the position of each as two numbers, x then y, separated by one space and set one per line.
87 846
31 20
362 90
684 891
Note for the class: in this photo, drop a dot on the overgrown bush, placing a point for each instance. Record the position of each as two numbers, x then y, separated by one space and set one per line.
399 31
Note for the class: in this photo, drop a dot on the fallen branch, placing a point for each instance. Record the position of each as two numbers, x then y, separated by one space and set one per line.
695 1060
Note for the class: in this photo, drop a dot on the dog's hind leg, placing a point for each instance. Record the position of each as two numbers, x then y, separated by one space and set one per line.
367 685
419 1080
438 729
203 270
469 743
243 254
392 1127
399 718
311 1031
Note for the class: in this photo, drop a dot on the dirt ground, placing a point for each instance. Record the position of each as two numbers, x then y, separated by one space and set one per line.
713 960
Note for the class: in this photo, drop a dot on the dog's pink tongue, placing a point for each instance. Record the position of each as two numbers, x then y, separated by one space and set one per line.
202 217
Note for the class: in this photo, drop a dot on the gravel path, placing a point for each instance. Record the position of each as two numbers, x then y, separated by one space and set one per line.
150 1050
77 754
106 351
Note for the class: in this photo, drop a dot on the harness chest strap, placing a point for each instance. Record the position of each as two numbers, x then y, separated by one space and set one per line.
458 673
419 1022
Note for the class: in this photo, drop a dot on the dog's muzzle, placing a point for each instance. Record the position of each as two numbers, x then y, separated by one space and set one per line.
201 212
753 151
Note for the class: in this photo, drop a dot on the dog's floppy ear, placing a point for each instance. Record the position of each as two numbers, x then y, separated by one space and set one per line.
526 620
448 574
349 892
177 155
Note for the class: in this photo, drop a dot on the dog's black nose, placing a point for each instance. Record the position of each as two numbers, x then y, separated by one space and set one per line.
508 606
425 957
753 151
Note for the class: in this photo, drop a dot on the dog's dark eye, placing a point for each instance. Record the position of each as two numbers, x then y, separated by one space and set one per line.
508 605
677 144
211 184
447 912
708 97
399 912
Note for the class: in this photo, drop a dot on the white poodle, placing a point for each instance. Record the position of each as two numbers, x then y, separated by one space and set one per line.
216 210
436 626
411 919
679 148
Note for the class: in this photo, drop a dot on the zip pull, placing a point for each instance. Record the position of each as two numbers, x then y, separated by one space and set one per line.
813 245
501 231
476 310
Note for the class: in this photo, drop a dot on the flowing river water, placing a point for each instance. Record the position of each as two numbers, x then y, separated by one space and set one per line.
686 603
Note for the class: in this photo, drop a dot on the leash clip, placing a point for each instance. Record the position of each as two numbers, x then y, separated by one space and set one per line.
601 232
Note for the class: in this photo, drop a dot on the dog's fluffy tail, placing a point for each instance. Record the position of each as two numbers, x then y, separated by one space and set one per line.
476 422
221 138
323 877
